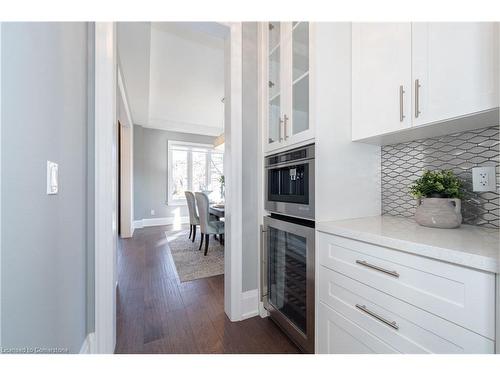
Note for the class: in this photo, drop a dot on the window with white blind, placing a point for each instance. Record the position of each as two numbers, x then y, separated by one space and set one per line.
194 167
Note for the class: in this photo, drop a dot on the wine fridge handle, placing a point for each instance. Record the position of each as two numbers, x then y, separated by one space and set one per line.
263 263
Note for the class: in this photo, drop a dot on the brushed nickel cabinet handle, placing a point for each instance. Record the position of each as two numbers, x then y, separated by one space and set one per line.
417 98
279 131
392 324
401 109
286 128
377 268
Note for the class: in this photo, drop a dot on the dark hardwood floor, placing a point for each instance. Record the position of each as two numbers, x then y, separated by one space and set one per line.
156 313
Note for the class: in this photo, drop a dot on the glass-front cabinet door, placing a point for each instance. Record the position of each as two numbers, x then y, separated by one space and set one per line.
274 94
300 78
287 84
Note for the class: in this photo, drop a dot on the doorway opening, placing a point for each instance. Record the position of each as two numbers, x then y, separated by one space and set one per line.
228 289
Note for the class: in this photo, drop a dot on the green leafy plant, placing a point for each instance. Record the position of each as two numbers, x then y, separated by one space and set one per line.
437 184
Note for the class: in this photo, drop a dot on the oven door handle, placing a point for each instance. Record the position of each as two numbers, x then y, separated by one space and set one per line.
289 164
263 263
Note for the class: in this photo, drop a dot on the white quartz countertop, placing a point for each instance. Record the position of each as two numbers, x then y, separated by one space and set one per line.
469 246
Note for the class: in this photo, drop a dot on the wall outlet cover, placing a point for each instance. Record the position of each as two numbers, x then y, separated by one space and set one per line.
484 179
152 212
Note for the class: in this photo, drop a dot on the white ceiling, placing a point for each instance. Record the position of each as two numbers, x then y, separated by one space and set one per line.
133 54
174 74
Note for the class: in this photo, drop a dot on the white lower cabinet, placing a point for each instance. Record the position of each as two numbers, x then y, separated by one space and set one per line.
377 300
339 335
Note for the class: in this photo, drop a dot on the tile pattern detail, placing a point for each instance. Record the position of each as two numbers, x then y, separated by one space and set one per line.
403 163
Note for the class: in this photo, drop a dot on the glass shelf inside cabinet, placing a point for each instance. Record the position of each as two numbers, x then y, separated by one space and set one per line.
274 35
274 73
300 50
301 105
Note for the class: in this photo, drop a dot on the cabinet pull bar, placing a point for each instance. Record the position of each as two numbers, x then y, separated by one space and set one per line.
377 268
279 130
286 127
263 263
417 98
401 110
392 324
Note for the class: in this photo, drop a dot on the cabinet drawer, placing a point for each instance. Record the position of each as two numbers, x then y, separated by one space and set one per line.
338 335
397 323
458 294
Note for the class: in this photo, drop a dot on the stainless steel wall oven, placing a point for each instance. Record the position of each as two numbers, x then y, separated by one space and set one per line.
287 276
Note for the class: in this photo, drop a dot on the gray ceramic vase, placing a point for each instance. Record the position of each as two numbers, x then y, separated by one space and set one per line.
439 212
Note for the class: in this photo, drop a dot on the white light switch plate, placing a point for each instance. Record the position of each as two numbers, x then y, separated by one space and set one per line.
484 179
52 178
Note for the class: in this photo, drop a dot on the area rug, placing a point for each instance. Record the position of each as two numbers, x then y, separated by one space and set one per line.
190 263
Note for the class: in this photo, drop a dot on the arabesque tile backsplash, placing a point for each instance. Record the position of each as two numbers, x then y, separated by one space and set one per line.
403 163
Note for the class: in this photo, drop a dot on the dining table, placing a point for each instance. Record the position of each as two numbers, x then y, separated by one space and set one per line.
217 210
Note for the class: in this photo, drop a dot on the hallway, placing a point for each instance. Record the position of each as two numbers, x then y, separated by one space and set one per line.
158 314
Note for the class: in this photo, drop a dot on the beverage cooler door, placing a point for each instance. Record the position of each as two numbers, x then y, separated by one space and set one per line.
288 278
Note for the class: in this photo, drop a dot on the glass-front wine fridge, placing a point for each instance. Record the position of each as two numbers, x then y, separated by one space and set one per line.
287 276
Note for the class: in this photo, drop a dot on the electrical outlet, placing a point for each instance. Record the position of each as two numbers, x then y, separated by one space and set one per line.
152 212
483 179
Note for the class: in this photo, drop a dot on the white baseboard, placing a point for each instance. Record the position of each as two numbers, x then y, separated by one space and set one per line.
262 310
249 304
159 221
88 344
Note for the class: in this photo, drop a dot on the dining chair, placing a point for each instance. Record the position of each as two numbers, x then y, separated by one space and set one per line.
194 219
207 226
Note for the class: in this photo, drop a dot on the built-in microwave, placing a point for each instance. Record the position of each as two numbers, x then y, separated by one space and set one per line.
289 183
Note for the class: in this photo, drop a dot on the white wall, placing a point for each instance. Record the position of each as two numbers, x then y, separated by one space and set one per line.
347 173
186 82
133 54
251 157
44 237
150 172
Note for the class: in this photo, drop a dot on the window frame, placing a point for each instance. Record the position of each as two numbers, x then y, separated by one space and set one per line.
189 146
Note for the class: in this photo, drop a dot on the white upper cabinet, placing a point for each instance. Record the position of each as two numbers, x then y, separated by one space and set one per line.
286 86
455 67
406 75
381 78
273 89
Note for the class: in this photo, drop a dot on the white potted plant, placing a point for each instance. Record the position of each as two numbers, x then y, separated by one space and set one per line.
439 202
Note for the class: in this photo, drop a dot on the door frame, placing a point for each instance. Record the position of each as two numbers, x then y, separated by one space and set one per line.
233 162
105 175
105 222
1 23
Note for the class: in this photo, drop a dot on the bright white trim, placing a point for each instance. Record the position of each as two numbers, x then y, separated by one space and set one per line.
126 181
190 144
1 184
88 344
183 127
123 92
105 227
160 221
262 118
233 172
249 304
